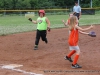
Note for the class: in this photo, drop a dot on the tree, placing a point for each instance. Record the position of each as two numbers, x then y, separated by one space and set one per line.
45 4
85 3
23 4
96 3
4 4
38 4
34 4
14 2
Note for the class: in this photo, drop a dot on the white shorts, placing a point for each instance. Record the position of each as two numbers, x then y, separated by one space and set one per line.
74 47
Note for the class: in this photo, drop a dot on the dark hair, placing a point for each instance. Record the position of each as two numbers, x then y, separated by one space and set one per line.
76 2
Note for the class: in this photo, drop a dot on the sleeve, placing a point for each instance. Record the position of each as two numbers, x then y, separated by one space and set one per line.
79 8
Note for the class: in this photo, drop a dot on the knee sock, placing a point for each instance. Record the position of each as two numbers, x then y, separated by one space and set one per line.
75 59
71 53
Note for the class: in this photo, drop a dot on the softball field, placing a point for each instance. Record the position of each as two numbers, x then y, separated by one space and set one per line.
17 56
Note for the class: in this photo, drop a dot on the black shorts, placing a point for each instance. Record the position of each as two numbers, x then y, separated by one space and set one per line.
77 14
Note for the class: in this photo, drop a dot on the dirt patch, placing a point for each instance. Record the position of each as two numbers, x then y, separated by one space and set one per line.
49 59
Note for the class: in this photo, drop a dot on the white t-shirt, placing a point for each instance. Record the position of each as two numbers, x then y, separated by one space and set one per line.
77 9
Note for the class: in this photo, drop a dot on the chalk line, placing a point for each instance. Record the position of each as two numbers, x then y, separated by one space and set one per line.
13 68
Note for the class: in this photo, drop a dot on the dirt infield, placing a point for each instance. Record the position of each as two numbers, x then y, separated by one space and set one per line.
49 59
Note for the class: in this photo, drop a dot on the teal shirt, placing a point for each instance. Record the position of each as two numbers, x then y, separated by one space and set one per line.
41 23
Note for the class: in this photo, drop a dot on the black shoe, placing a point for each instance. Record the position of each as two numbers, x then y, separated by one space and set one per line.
68 58
46 41
36 47
76 66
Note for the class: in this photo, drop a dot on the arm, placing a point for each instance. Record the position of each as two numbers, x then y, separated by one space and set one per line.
73 9
80 12
91 33
48 22
84 33
35 22
85 29
65 23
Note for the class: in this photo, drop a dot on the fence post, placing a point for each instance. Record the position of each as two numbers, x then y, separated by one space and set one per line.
4 13
91 3
20 13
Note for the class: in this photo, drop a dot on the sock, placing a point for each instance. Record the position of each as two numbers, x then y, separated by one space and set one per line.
71 53
36 45
75 59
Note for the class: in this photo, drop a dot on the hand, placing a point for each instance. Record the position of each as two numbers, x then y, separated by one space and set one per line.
63 21
91 26
30 19
48 28
79 17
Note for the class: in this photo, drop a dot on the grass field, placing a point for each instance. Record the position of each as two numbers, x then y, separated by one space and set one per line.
16 24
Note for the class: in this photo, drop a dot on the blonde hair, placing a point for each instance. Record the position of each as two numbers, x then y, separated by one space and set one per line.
73 22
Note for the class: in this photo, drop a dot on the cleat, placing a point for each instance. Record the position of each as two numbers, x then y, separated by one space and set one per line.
68 58
76 66
35 47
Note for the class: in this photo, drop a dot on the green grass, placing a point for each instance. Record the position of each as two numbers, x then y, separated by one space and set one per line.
90 19
16 24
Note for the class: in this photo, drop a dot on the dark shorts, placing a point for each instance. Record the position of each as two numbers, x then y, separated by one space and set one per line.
77 14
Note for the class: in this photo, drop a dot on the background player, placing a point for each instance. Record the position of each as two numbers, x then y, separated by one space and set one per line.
77 10
67 22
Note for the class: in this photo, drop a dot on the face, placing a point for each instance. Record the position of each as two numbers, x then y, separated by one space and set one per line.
41 14
76 4
70 15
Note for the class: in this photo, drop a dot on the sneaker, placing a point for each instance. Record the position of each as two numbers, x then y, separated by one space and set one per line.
68 58
35 47
76 66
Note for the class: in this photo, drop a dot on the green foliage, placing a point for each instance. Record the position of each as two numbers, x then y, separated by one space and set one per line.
38 4
85 5
34 3
96 3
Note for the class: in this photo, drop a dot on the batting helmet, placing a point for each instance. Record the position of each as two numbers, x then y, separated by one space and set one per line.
42 11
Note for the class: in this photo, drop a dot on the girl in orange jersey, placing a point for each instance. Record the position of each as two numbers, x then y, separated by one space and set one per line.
74 30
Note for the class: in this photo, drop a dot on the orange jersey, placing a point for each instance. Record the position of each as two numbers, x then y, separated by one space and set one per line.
73 37
68 21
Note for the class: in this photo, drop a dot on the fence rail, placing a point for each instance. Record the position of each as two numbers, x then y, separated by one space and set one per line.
90 11
44 9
